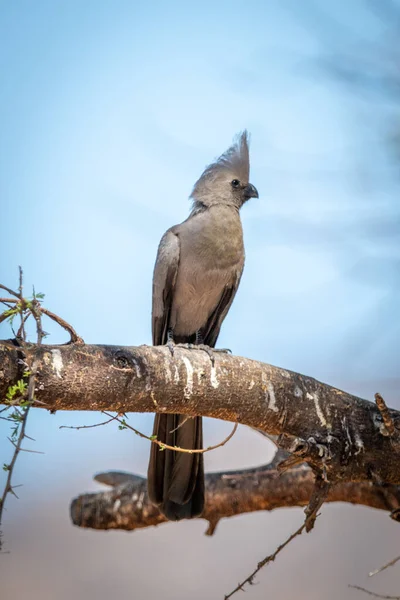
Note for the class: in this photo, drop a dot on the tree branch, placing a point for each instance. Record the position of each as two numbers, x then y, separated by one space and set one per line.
126 505
342 437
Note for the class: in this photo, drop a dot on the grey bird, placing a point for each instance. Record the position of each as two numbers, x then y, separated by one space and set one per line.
196 275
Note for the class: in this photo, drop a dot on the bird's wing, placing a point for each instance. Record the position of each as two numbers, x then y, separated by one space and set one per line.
212 328
164 279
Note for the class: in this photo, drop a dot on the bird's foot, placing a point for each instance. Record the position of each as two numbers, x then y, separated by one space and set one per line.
186 346
210 351
171 346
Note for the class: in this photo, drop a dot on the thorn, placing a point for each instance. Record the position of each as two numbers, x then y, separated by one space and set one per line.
171 347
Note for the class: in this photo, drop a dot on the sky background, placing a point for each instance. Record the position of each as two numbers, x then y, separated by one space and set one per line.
109 111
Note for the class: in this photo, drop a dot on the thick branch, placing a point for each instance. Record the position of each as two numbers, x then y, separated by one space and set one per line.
339 435
126 505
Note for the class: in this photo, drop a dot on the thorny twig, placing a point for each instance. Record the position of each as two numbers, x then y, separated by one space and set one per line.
357 587
25 308
21 300
265 561
21 330
75 338
320 492
88 426
389 564
24 449
166 446
9 290
124 425
24 304
8 488
23 416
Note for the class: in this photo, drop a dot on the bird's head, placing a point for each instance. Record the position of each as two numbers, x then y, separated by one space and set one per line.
226 181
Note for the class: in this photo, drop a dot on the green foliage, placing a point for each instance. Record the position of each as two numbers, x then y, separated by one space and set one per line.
18 389
14 433
11 312
19 396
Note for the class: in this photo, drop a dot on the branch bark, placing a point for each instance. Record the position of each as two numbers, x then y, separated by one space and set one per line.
126 505
342 437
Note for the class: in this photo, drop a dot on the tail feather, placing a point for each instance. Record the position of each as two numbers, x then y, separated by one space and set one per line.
176 479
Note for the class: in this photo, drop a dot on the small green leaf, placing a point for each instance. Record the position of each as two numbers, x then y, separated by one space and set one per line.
11 392
6 467
153 437
11 312
21 385
15 416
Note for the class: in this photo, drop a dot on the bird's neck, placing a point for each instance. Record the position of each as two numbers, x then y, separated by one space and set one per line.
223 205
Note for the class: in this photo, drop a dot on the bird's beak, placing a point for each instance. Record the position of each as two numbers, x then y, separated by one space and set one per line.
250 191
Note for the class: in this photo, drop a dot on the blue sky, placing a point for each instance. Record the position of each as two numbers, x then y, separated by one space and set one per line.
109 112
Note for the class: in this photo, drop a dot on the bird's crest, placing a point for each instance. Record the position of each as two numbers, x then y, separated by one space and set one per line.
235 161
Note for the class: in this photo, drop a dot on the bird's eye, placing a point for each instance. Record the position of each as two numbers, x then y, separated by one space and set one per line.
235 183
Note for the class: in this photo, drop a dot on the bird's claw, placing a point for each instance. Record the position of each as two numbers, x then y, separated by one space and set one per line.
186 346
210 351
171 346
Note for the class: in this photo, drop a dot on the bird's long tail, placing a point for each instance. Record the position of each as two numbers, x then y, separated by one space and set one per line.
176 479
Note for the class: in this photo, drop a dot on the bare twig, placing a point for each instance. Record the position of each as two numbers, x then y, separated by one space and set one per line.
75 338
320 492
21 330
175 448
180 425
15 444
265 561
10 291
319 495
24 304
357 587
389 564
21 313
88 426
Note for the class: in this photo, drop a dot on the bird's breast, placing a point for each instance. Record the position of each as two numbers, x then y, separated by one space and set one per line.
216 241
212 258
